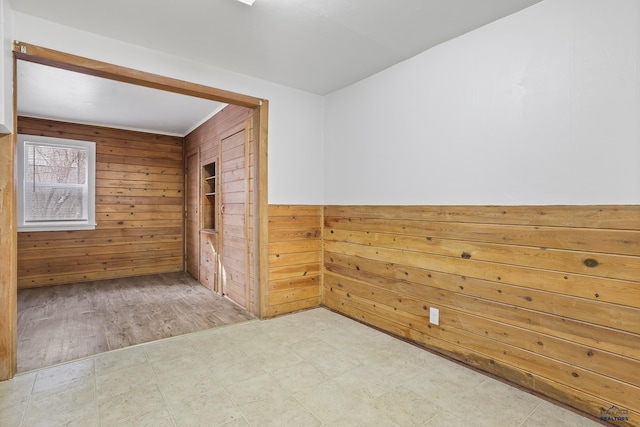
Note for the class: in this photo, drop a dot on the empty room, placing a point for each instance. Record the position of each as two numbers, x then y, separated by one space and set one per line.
416 213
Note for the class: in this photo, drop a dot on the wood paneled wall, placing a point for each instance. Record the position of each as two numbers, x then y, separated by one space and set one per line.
546 297
139 211
206 140
295 253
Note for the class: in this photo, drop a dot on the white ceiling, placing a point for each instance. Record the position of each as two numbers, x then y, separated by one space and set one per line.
53 93
315 45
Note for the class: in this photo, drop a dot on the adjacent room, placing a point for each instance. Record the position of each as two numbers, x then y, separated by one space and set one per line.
417 213
114 265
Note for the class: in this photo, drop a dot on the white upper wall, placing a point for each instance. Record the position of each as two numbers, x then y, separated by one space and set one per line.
6 69
295 117
541 107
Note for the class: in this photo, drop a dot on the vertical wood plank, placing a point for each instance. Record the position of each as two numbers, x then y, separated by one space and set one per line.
8 250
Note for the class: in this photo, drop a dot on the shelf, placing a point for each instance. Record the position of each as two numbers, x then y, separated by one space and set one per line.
209 186
208 231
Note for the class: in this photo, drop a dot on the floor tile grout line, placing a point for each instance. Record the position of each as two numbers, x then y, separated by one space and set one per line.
157 384
531 413
95 389
26 408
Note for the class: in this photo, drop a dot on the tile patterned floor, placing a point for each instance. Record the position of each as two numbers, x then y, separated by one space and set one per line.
314 368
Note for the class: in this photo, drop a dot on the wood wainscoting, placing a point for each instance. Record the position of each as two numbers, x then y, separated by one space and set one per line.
546 297
295 253
139 210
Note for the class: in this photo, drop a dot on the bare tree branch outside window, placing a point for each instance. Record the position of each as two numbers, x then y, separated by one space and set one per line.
55 183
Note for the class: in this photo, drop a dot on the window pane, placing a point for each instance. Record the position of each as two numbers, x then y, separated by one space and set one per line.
55 183
45 203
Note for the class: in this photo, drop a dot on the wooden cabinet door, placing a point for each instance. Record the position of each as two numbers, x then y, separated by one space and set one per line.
234 188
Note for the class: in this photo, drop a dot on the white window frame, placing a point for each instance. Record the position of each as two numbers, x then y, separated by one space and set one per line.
90 222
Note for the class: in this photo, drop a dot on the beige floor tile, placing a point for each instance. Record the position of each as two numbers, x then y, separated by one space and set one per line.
278 411
369 380
77 418
329 400
20 386
75 405
232 371
333 363
192 383
550 415
260 343
274 360
113 361
444 386
209 409
406 408
120 409
495 403
170 348
160 418
236 422
298 377
309 348
210 342
177 366
256 389
307 369
221 355
455 419
58 378
363 415
14 397
241 332
123 380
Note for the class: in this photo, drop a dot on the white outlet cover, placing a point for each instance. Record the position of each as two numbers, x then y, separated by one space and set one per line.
434 316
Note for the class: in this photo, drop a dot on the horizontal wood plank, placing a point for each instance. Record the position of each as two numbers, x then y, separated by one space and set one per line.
545 296
139 211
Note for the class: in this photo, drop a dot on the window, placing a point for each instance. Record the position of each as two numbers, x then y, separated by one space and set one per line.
56 184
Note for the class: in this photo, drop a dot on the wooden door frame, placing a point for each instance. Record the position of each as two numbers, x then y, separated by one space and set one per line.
45 56
186 156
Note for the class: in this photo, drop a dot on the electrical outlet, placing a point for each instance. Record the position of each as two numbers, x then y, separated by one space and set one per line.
434 316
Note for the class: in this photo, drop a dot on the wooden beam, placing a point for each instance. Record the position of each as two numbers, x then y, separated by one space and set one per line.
66 61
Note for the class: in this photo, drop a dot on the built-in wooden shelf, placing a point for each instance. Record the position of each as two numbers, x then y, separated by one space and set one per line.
209 190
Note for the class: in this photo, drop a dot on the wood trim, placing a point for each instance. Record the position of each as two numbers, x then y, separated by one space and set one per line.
37 54
8 251
8 267
262 118
247 213
66 61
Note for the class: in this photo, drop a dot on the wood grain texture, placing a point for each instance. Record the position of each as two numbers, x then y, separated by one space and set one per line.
139 204
228 139
67 322
41 55
294 255
8 272
545 296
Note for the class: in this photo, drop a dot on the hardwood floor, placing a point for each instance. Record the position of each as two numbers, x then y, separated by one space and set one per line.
61 323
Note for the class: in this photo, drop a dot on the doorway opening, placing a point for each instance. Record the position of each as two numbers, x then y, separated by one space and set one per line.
258 147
